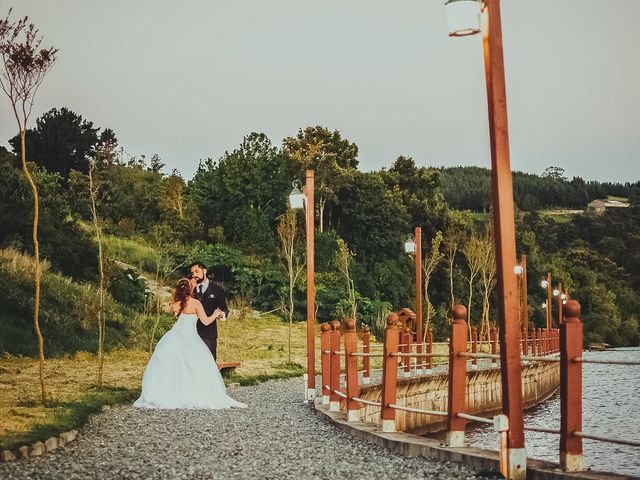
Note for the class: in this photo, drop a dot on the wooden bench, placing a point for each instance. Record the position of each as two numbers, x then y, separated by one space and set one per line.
227 368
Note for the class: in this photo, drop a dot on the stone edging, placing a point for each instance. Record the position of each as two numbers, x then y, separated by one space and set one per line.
411 445
39 448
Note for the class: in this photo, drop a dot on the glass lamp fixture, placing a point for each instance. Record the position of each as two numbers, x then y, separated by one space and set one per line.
463 17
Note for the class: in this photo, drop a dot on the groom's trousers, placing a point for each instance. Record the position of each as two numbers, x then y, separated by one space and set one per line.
212 345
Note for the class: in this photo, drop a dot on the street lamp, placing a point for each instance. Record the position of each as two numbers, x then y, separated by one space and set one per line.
463 17
410 245
515 463
298 199
414 245
546 284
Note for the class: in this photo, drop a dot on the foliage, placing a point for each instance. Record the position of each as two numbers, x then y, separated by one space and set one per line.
469 188
61 141
244 192
126 286
68 315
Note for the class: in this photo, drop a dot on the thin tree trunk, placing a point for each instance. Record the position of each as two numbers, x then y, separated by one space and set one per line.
36 255
101 319
451 260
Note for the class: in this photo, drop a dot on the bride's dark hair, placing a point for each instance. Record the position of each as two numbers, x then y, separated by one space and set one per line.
182 293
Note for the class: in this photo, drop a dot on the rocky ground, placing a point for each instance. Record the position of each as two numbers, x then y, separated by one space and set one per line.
276 437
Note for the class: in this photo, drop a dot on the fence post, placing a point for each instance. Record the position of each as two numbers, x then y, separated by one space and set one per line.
334 382
325 361
474 347
351 369
494 345
457 377
540 343
533 342
408 337
366 361
429 350
570 388
389 375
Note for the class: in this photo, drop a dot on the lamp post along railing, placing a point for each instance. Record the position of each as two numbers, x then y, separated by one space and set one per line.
311 288
503 221
297 200
418 240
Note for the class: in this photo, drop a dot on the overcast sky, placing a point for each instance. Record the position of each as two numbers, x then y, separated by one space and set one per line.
189 79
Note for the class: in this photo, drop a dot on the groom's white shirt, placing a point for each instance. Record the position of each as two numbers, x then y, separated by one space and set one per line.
201 288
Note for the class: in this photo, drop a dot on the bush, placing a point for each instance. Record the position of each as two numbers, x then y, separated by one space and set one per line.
126 286
67 311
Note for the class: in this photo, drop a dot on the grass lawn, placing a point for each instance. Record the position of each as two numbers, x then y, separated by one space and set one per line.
260 343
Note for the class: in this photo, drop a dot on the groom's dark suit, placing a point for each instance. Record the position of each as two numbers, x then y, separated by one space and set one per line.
212 298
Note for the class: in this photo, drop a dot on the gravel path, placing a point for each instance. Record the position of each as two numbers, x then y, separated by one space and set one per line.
276 437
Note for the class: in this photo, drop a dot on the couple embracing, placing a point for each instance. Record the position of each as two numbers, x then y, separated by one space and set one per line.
182 372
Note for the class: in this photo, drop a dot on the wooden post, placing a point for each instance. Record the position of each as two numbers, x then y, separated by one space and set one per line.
494 345
334 382
408 337
559 304
524 296
533 342
505 239
571 389
366 361
325 361
525 341
351 370
540 343
429 350
474 347
418 240
311 287
389 375
457 377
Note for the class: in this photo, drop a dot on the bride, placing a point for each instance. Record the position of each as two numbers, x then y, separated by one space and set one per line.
181 372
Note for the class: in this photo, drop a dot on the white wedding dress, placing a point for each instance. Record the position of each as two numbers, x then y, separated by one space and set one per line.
182 372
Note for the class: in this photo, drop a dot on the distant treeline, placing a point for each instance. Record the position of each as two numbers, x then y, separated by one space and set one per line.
469 188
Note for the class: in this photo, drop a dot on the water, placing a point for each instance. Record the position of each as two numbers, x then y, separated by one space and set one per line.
610 408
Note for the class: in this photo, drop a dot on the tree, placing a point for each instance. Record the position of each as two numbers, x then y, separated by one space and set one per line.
557 173
473 251
332 159
287 233
244 192
488 269
62 141
24 66
429 264
344 261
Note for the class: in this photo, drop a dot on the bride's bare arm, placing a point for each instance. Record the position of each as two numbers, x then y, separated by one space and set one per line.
202 315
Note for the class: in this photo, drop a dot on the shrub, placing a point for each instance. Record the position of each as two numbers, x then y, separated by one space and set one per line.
67 316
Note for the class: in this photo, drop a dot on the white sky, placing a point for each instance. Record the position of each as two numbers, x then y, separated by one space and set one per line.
188 79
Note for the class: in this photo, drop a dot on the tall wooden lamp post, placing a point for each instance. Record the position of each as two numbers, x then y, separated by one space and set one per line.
463 16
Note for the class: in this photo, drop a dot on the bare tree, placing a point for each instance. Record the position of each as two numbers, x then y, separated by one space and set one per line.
451 242
93 194
488 278
287 233
344 260
24 66
429 265
473 253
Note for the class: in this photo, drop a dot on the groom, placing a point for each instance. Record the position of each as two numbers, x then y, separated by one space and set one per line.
213 300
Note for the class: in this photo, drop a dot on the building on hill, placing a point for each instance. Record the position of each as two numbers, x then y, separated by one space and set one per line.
601 205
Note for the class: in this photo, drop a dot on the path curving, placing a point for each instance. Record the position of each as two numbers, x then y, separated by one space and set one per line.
276 437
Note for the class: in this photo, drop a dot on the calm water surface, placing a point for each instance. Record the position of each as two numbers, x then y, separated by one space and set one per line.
611 408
